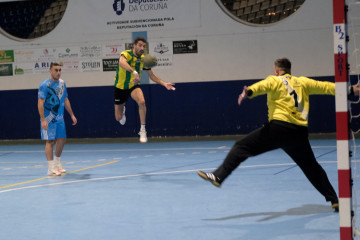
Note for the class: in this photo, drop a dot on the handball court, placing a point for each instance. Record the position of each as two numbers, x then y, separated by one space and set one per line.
152 191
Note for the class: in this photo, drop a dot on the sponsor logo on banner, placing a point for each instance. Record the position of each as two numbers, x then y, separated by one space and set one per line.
42 67
23 68
163 52
91 66
119 6
69 66
110 64
189 46
73 52
90 51
24 55
6 70
6 56
142 15
164 61
45 54
112 50
139 5
161 48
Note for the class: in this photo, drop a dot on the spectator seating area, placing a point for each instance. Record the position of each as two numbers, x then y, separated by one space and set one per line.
262 11
31 19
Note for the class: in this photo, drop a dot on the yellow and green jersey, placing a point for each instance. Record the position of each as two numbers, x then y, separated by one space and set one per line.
288 96
123 78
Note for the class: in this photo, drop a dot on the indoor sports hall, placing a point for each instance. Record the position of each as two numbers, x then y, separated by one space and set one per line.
206 51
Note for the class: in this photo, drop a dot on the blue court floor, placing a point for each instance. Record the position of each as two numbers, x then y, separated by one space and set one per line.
151 191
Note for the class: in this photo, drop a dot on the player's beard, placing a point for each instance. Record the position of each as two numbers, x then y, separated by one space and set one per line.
138 53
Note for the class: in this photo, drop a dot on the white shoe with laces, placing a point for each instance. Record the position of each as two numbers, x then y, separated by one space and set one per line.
123 119
52 169
143 137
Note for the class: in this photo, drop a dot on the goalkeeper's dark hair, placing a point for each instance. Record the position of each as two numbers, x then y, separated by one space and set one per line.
284 64
138 39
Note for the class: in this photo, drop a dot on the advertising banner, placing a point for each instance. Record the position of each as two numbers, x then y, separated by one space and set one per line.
163 51
115 16
110 64
185 47
6 56
6 70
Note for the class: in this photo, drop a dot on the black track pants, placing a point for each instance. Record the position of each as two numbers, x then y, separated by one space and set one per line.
293 140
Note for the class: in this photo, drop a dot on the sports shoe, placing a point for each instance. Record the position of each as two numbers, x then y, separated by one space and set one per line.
210 177
53 172
123 119
335 206
143 137
60 168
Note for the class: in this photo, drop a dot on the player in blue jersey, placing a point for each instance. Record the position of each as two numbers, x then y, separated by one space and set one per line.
52 99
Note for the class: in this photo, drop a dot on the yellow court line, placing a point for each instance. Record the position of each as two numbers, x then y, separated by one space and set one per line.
16 184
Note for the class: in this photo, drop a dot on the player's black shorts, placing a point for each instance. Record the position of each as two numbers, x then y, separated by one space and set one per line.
122 95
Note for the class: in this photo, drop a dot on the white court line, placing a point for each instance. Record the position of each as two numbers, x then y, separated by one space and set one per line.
143 174
119 150
142 149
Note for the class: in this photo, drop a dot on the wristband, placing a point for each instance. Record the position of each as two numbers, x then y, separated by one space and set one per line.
135 72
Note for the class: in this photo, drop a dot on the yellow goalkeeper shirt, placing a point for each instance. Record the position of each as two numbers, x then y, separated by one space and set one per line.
288 96
125 79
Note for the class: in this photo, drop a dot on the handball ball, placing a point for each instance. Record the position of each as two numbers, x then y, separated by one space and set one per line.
150 61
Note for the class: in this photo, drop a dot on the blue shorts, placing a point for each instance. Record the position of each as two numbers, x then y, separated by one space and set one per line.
55 130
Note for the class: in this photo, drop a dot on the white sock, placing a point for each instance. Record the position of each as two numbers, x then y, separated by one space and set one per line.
142 127
57 159
51 164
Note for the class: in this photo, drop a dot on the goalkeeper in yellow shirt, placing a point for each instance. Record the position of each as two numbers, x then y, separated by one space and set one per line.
288 104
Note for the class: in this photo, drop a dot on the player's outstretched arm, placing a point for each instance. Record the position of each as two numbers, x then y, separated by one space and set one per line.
154 78
243 95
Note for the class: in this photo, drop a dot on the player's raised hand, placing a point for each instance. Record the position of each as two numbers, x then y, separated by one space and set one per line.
242 96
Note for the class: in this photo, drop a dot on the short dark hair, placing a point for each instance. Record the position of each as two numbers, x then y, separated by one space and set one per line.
54 64
138 39
284 64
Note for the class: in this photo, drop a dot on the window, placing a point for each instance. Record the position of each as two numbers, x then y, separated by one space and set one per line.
26 20
259 12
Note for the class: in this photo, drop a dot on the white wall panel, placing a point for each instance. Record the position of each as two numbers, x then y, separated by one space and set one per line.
227 50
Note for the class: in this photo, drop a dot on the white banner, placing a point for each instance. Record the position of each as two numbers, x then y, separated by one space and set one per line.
91 66
113 16
112 50
163 51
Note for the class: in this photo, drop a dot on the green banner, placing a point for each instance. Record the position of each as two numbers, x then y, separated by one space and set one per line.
6 70
6 56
